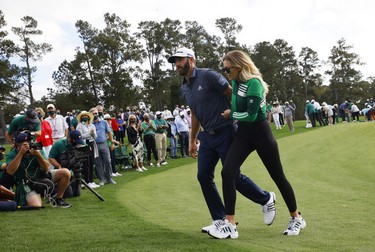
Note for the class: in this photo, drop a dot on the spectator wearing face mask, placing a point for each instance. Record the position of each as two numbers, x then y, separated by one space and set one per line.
166 113
120 136
88 132
161 137
149 129
58 124
183 132
103 161
46 133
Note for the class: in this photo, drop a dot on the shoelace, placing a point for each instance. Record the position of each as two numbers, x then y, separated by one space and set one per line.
218 223
269 207
294 224
226 228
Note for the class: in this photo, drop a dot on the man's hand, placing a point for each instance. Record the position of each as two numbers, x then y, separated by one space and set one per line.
193 149
35 152
25 148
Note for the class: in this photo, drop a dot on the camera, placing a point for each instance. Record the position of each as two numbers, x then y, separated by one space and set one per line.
30 134
81 152
35 146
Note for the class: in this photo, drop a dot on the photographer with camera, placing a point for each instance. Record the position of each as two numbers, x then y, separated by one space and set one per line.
28 122
29 167
62 156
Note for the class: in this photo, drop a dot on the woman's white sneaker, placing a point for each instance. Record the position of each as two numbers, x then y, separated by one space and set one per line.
224 231
215 224
295 225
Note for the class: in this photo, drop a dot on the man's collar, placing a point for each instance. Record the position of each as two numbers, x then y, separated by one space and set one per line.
193 74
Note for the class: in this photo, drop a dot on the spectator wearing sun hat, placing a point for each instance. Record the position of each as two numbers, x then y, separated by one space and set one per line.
88 132
29 121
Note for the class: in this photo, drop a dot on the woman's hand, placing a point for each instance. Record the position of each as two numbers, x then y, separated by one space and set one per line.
226 114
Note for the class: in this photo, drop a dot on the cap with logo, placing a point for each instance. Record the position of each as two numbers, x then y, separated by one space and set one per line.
76 136
22 137
181 53
32 115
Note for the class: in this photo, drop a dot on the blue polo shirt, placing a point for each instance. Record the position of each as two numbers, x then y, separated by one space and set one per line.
102 128
204 95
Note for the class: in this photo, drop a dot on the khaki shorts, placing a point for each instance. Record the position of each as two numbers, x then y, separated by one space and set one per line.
53 172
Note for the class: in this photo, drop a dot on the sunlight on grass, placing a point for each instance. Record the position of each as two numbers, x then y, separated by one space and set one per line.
332 175
330 168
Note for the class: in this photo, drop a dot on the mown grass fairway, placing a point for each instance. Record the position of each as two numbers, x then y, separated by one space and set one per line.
330 168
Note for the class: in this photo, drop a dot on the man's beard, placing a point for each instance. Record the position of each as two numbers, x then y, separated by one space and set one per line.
183 71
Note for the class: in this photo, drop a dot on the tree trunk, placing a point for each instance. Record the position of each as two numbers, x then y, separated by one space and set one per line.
2 123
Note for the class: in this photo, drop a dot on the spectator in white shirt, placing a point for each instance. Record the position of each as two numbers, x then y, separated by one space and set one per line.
58 124
183 132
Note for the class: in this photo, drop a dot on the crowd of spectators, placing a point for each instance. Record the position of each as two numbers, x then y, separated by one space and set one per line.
38 163
41 161
320 114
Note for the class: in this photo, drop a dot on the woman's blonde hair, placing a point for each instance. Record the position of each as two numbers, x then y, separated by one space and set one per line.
242 60
132 116
41 111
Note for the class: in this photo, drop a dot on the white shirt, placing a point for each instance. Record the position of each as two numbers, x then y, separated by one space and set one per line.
86 130
176 112
182 124
317 105
355 108
58 126
166 114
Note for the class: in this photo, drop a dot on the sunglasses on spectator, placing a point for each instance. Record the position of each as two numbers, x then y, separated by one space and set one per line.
226 69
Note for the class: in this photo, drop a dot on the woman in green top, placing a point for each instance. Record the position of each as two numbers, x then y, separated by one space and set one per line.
253 134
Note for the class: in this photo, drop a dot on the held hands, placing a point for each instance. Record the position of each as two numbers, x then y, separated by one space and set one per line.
226 114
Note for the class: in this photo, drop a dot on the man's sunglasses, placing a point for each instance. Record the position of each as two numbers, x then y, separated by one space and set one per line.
226 69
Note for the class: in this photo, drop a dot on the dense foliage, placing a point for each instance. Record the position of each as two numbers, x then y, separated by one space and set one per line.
118 68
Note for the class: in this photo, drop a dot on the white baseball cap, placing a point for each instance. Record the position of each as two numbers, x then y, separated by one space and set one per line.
181 53
51 106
